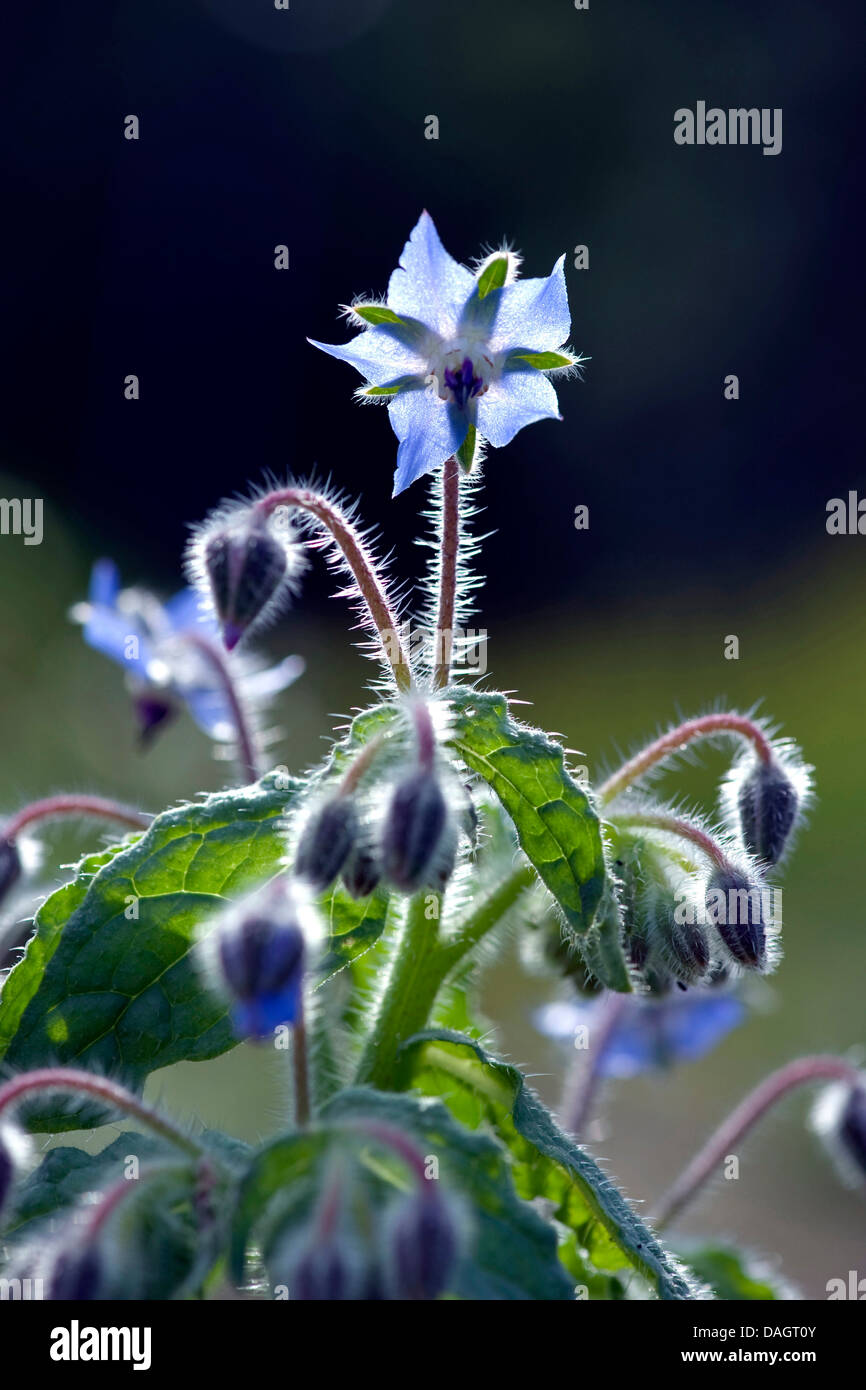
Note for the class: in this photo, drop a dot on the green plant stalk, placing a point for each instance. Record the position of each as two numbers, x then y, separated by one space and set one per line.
421 966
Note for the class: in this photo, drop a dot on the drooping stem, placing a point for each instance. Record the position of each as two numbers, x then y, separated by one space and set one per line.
585 1074
370 583
246 744
425 734
756 1104
409 994
444 640
678 825
396 1140
301 1070
87 1083
71 804
357 769
705 726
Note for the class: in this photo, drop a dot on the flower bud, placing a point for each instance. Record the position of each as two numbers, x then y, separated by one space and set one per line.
76 1274
688 951
414 829
852 1127
14 1156
768 804
10 867
257 954
423 1243
735 909
246 566
362 872
326 842
325 1271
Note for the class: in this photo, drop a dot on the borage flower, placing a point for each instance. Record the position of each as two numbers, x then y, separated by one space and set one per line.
459 356
163 649
650 1034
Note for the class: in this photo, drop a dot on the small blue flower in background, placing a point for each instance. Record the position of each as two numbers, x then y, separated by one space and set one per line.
454 352
165 669
650 1033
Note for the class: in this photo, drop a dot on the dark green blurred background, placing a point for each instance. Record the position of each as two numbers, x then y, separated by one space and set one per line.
706 516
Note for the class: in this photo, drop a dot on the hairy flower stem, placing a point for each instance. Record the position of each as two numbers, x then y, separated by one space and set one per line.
676 825
422 964
444 646
705 726
370 584
412 986
756 1104
584 1077
301 1070
86 1083
246 744
70 804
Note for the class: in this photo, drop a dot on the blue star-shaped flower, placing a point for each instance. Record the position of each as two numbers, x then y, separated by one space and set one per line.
651 1033
165 669
457 354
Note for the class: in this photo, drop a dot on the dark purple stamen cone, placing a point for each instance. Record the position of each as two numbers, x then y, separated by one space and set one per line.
462 382
245 566
413 830
423 1247
852 1127
362 873
735 909
10 867
326 843
689 951
152 714
768 806
76 1276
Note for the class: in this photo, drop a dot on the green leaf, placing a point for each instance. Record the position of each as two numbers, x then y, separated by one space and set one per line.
493 276
736 1275
602 947
557 828
511 1254
376 313
545 361
545 1161
354 925
115 992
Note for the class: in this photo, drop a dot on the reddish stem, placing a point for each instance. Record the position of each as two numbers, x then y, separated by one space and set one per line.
741 1120
215 657
361 564
676 825
70 804
705 726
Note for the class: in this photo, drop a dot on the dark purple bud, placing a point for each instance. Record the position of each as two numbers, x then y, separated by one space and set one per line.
261 960
362 873
324 1273
768 804
326 842
10 867
735 909
246 566
852 1127
414 828
152 713
423 1247
76 1275
689 951
7 1171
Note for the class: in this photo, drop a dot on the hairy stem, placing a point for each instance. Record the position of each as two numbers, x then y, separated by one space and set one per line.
370 584
755 1105
677 825
485 917
86 1083
444 642
411 989
70 804
705 726
246 745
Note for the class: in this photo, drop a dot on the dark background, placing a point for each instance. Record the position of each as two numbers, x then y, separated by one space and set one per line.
707 517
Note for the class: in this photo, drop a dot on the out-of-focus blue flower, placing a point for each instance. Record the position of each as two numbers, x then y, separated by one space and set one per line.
450 354
650 1033
155 644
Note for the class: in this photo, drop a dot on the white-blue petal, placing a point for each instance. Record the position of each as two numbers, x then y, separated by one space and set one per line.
430 430
104 583
184 611
377 355
516 399
533 314
119 637
430 285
